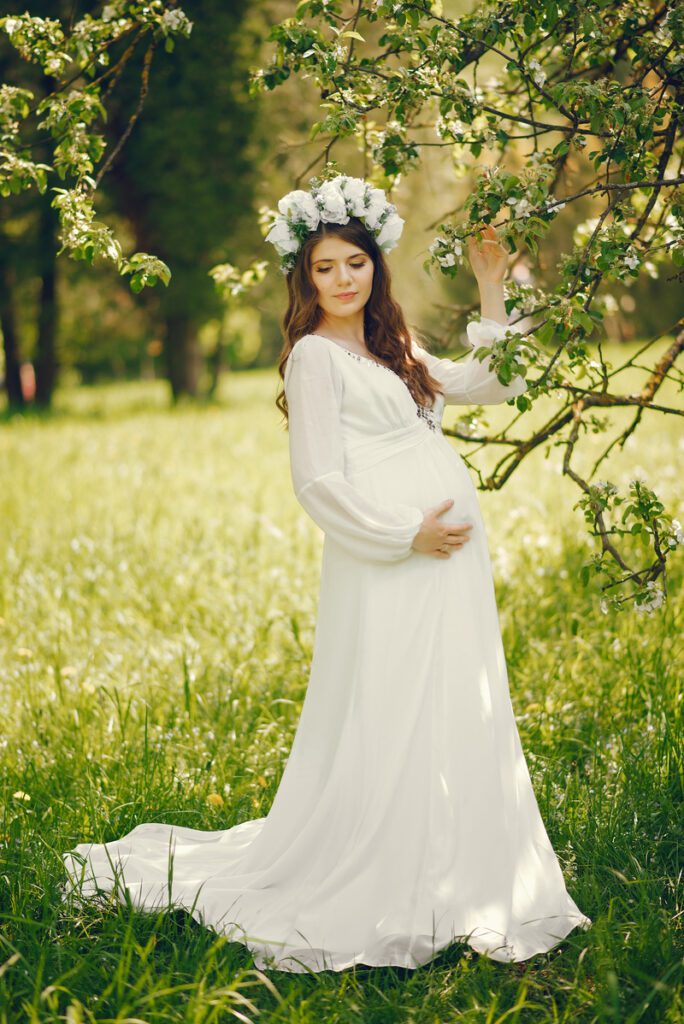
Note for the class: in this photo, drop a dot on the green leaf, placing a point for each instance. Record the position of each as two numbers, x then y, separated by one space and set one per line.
546 333
584 320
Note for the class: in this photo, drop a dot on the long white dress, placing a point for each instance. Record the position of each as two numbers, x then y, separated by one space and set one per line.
405 819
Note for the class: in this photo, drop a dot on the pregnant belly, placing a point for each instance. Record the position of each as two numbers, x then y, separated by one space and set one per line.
416 469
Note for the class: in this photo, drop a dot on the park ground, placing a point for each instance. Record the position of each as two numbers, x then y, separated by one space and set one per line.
158 586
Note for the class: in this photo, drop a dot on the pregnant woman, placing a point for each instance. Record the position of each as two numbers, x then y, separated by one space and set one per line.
405 819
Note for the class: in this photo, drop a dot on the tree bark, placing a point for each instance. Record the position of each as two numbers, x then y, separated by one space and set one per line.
183 355
46 355
8 325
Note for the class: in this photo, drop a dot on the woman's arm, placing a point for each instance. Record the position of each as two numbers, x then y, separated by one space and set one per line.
470 381
492 303
489 263
365 528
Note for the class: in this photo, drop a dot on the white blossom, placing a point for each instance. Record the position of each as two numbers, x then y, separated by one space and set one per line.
538 74
449 126
453 250
607 486
657 596
176 21
523 208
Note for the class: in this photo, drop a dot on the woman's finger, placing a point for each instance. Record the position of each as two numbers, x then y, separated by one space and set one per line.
458 531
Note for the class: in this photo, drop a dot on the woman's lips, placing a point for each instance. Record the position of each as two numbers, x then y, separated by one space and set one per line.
346 295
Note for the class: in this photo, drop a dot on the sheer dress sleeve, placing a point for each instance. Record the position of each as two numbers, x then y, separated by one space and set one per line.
469 381
365 528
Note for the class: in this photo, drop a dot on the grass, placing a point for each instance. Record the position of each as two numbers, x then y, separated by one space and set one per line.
158 586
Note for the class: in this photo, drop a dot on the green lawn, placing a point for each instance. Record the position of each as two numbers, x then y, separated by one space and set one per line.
158 586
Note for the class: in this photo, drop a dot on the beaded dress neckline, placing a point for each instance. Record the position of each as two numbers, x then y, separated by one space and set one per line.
355 355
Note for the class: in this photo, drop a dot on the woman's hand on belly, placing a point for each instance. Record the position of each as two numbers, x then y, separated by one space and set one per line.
437 538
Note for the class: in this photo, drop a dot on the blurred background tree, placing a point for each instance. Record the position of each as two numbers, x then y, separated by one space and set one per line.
180 186
185 182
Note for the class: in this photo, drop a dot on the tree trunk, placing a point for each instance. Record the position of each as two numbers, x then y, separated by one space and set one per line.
218 361
46 356
183 356
8 325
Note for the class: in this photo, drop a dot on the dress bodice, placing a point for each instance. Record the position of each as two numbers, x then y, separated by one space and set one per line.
374 399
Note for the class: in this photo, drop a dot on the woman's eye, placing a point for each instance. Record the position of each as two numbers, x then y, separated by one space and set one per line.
356 266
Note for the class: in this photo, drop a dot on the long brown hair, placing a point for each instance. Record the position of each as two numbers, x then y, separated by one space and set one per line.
385 330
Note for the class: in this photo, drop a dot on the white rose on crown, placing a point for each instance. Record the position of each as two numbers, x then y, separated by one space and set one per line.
282 238
300 207
331 204
376 208
354 191
390 232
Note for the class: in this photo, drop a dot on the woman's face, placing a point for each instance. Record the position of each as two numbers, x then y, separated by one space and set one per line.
343 275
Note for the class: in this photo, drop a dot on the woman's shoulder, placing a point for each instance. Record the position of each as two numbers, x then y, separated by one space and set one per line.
311 346
313 355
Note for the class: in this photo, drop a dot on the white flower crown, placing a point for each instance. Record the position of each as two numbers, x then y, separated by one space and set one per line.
332 202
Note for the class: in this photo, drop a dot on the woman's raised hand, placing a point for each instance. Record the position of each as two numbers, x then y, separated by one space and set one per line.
437 538
488 258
